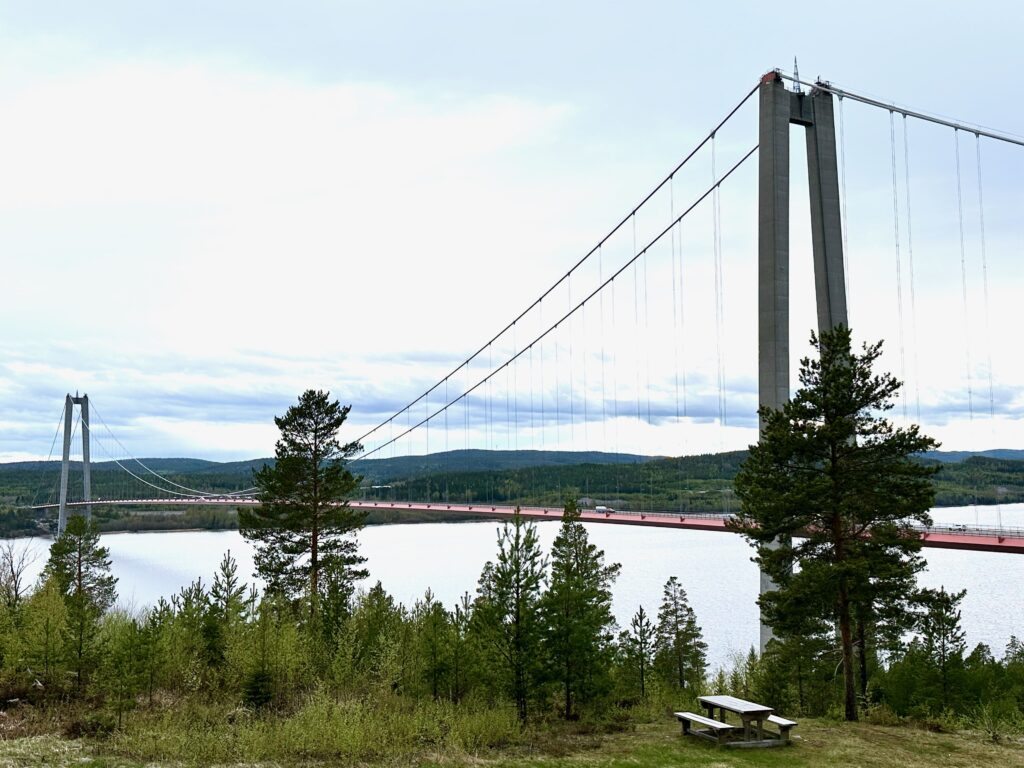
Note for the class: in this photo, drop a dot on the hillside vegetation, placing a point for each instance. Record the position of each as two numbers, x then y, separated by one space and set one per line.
622 481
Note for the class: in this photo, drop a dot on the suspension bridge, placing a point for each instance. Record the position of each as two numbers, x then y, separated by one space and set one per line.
633 340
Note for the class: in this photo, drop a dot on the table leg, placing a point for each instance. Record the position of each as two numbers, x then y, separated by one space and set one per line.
760 729
746 728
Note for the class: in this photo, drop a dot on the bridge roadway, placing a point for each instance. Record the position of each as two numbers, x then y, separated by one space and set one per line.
976 538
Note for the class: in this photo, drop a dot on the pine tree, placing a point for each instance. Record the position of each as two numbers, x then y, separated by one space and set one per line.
834 487
680 651
505 615
576 614
81 569
304 531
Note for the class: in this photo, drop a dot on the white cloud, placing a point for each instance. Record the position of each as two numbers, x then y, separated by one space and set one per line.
195 243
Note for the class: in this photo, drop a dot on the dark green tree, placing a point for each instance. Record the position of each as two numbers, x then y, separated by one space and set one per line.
375 629
462 649
506 612
680 651
224 610
122 663
638 643
577 616
227 595
434 633
304 531
81 569
834 487
943 638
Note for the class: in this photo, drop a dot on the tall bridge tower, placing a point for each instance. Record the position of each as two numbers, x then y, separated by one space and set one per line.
780 108
69 407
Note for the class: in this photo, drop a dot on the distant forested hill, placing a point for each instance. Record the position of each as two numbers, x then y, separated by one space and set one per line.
994 453
622 481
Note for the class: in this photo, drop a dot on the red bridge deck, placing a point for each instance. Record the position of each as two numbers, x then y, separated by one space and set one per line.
1008 540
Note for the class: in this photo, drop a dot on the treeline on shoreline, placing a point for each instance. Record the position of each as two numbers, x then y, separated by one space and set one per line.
221 673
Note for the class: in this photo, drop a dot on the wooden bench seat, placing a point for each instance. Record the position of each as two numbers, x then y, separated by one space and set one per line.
713 729
783 725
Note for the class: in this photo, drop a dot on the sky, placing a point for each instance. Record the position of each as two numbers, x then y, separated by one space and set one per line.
207 209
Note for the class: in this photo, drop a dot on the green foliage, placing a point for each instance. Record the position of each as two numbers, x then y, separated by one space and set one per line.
680 652
43 638
636 645
833 487
577 617
507 613
434 632
122 665
80 568
304 529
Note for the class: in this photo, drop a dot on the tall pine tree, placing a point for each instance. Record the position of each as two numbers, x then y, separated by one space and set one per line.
577 615
81 569
505 616
834 487
304 531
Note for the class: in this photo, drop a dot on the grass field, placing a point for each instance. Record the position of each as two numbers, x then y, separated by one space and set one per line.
819 743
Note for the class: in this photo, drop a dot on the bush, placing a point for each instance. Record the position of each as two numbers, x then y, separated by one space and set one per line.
94 724
258 689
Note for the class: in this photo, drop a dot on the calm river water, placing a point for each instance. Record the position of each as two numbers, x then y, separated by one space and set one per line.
714 568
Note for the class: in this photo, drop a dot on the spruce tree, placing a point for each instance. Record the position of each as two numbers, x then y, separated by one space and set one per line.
462 648
833 487
434 637
680 651
639 646
227 595
577 616
304 532
80 567
506 612
944 640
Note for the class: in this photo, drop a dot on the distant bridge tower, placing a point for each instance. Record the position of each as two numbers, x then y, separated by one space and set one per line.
779 108
69 407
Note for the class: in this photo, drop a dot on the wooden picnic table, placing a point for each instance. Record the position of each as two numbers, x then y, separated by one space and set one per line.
748 712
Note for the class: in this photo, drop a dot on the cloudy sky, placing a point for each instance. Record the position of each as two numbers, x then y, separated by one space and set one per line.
205 209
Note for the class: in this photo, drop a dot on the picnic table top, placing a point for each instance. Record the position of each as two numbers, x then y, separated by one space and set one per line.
733 704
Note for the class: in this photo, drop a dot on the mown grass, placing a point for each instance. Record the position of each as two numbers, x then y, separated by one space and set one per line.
328 732
821 744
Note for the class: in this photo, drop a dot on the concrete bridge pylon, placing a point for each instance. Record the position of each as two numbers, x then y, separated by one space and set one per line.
779 109
69 406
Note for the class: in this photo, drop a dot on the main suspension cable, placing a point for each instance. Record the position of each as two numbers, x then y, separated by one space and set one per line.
586 299
128 454
700 145
956 125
